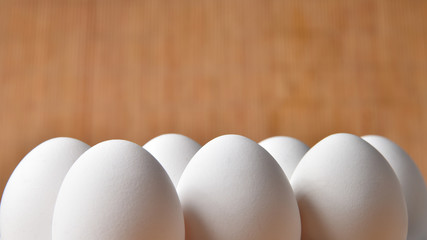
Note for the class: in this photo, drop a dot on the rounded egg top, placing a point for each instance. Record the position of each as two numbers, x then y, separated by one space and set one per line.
117 190
173 151
411 180
287 151
29 197
346 190
234 189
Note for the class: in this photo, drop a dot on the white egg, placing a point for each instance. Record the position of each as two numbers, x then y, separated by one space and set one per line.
234 189
286 150
173 151
346 190
117 190
29 197
412 182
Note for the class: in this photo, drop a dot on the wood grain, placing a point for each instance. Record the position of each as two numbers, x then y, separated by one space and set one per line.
97 70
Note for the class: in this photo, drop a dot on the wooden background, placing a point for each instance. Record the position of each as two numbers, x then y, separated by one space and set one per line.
97 70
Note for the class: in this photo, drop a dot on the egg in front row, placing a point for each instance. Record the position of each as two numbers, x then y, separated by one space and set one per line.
234 189
117 190
346 190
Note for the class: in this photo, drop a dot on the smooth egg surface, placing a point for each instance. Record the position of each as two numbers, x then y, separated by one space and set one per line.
117 190
29 197
234 189
346 190
287 151
412 182
173 151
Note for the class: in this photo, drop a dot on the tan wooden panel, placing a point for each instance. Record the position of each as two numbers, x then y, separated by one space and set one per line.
97 70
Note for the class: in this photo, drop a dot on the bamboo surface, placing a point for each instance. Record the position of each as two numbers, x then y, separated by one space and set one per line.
97 70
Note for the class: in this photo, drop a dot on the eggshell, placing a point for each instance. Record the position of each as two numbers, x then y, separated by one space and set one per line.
346 190
412 182
173 151
234 189
29 197
286 150
117 190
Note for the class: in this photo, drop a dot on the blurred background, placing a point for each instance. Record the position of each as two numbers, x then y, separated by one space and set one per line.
129 69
